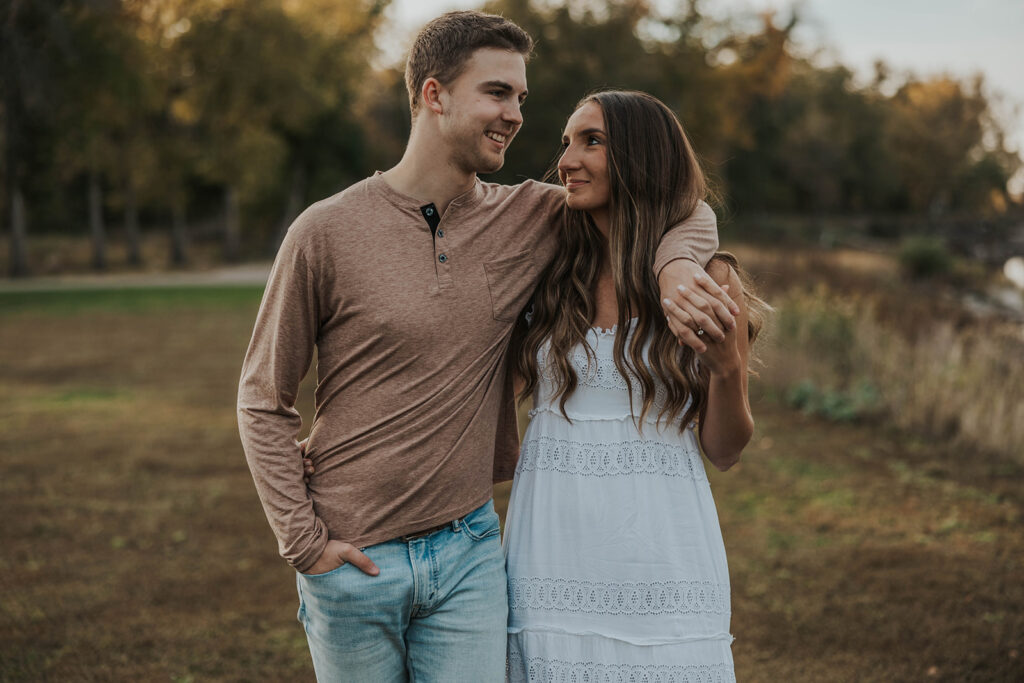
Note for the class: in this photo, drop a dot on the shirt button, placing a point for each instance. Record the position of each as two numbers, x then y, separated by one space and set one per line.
440 233
430 211
442 258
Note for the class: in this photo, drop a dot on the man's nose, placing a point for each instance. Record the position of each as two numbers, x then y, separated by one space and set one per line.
514 114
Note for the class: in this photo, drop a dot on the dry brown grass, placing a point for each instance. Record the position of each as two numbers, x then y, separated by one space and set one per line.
134 546
851 333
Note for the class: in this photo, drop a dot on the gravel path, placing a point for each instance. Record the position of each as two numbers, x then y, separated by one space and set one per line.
246 274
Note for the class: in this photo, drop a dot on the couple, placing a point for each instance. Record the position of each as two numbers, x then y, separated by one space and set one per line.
411 285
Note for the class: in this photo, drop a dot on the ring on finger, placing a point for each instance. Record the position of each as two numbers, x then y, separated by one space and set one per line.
700 331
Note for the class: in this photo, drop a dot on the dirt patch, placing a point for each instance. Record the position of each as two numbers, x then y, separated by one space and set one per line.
135 547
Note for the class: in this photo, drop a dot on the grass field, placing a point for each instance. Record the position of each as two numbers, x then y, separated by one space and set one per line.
134 547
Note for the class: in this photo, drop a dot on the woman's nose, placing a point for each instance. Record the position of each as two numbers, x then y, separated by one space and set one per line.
568 160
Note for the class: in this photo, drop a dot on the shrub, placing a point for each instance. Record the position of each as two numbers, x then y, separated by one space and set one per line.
925 257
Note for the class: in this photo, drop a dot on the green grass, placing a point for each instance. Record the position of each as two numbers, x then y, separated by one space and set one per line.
143 299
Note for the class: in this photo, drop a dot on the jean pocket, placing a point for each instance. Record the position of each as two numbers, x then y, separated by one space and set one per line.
509 283
336 570
482 523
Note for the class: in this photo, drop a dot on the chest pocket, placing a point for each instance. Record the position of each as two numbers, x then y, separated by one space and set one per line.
510 281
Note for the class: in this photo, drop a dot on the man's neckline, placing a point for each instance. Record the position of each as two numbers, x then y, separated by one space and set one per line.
405 201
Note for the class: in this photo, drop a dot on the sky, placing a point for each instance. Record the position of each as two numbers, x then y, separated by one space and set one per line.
926 37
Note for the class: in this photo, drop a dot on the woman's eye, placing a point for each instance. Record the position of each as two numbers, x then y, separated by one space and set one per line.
593 140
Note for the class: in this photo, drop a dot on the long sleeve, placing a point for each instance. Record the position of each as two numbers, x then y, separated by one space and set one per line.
279 355
695 239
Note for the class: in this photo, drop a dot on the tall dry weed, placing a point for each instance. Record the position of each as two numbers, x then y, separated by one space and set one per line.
850 355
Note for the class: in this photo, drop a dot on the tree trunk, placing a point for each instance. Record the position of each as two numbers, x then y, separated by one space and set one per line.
19 232
131 225
232 226
296 200
96 226
179 235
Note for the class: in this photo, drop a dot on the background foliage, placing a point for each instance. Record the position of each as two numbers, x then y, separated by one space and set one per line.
221 119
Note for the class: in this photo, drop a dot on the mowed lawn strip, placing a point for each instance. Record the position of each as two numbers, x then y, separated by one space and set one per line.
135 547
131 299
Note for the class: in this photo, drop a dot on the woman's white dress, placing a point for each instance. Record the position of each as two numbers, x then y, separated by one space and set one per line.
616 565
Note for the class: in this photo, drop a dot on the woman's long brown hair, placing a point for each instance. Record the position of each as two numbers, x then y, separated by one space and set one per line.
655 183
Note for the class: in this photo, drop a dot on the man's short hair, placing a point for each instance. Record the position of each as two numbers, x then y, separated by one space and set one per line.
443 47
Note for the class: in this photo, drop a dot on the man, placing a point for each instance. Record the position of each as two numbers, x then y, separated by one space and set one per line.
408 284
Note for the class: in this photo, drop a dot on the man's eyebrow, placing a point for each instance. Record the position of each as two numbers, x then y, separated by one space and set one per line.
502 85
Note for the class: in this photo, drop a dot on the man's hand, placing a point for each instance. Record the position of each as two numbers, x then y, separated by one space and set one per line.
337 553
693 302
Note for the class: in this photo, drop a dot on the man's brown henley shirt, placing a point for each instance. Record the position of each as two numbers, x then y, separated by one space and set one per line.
414 416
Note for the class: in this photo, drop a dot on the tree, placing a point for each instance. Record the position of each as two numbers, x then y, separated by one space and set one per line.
266 80
34 48
949 148
100 90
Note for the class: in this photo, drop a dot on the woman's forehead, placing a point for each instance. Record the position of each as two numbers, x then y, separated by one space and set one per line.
587 117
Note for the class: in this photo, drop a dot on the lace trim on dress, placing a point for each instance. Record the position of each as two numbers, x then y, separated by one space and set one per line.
576 415
603 460
539 670
599 373
627 598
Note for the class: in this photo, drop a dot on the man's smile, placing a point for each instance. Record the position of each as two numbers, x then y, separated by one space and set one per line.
499 138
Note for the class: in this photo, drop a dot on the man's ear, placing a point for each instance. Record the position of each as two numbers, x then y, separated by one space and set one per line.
430 95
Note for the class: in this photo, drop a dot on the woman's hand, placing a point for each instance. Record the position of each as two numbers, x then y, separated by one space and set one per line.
307 464
723 357
698 310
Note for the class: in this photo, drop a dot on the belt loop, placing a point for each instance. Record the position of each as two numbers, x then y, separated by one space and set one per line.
456 527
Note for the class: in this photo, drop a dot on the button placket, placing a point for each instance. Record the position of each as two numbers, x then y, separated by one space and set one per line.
442 250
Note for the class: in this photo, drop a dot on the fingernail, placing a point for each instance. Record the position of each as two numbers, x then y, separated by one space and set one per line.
681 288
666 301
698 277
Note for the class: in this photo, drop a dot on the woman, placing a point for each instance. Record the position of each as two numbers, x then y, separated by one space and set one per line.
617 569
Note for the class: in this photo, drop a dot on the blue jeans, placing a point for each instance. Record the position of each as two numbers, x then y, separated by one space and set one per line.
436 612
